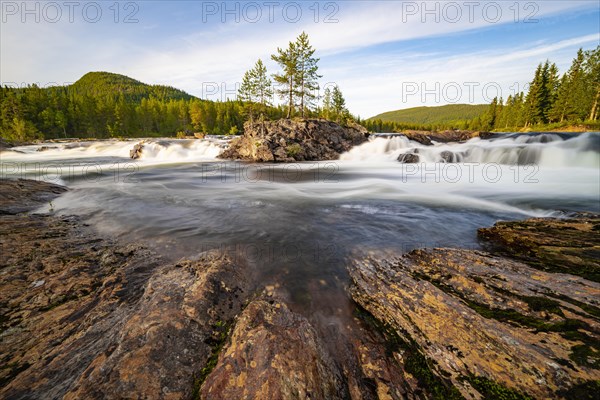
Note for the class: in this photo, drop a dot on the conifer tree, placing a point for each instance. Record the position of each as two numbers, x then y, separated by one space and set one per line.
592 67
307 77
256 89
327 104
286 80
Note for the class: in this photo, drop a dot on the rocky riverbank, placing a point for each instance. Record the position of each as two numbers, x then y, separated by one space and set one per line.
289 140
83 316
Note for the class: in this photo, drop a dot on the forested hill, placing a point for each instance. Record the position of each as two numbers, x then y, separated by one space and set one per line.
103 104
433 115
107 83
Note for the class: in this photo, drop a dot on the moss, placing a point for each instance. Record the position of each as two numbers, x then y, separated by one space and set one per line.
592 310
491 390
414 361
217 342
293 149
582 391
586 355
538 303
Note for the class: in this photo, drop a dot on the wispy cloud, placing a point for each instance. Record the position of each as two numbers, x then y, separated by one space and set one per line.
173 45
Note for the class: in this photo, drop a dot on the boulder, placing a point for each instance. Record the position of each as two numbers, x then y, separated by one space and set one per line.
274 353
408 158
289 140
82 316
557 245
476 325
136 152
182 318
447 156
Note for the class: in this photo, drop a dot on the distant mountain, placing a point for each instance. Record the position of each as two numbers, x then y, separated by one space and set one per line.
97 84
433 115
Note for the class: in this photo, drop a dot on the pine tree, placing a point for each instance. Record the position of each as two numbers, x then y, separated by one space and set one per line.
327 104
286 80
338 105
561 104
306 75
576 90
256 89
592 68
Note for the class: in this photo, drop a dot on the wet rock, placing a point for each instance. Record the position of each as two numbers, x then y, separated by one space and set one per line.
22 195
419 137
136 152
428 137
273 354
447 156
485 322
289 140
199 135
487 135
59 307
569 246
453 136
408 158
168 340
4 144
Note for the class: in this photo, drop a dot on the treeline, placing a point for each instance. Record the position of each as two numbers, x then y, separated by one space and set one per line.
551 99
113 111
378 125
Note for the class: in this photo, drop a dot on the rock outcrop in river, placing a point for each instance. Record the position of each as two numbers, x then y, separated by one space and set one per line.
289 140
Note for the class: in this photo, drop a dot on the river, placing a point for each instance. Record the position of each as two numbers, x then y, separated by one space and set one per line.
296 224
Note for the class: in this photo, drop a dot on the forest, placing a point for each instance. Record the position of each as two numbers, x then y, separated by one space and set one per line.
105 105
553 101
102 105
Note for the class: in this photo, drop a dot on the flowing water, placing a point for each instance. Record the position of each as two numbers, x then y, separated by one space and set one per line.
297 223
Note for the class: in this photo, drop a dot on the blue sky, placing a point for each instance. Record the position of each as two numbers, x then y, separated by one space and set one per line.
384 55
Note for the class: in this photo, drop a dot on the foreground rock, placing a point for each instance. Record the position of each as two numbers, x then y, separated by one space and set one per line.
274 354
288 140
83 317
20 195
556 245
486 325
162 347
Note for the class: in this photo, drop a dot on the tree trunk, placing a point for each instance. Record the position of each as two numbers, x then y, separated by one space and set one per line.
302 99
595 107
291 104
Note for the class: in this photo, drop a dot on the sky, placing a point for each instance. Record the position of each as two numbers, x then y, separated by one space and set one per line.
383 55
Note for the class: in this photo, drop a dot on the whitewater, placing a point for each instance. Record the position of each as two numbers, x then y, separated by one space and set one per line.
297 224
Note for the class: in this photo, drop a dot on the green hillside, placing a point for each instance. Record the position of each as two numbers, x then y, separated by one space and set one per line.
103 104
433 115
103 83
